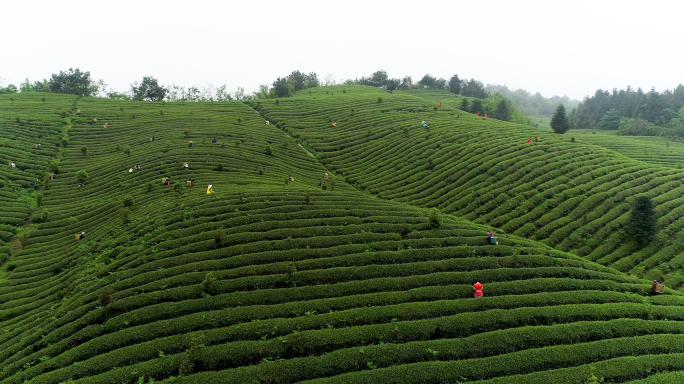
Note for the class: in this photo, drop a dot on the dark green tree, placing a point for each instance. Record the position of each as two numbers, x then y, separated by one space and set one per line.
281 88
474 88
392 84
559 121
406 83
610 120
476 106
148 89
298 80
428 81
503 111
642 225
73 82
464 104
379 79
455 85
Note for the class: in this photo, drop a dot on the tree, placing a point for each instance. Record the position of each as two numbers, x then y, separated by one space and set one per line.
502 111
73 82
559 121
8 89
406 83
392 84
476 106
428 81
148 89
379 79
281 88
464 104
474 88
455 84
610 120
642 225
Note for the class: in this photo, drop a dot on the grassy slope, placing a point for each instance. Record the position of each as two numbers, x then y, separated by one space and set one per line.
254 283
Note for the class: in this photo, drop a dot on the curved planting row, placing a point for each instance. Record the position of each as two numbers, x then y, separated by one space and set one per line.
281 281
572 196
30 131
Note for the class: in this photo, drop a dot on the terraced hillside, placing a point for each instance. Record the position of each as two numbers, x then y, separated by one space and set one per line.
574 197
25 123
649 149
268 281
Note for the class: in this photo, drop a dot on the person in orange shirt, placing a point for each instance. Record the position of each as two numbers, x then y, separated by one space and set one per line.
478 289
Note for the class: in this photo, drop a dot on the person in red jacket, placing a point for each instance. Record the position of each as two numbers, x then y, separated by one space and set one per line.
478 289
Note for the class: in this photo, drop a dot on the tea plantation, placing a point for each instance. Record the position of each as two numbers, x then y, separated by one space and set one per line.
572 196
346 279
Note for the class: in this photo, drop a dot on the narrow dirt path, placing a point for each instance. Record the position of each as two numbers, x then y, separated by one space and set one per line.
16 243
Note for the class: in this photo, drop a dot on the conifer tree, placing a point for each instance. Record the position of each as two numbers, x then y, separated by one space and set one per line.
559 121
642 225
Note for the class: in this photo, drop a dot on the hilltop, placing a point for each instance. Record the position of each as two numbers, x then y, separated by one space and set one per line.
345 279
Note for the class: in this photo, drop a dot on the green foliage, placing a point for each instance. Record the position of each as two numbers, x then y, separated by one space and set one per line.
636 127
610 120
148 89
455 85
127 150
642 225
73 82
474 88
464 105
476 106
84 151
268 150
209 285
435 218
128 201
82 175
125 215
559 121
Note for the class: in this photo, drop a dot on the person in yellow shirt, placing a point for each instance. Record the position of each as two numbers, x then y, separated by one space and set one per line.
210 190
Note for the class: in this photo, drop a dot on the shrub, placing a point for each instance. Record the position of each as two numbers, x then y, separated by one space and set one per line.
128 200
82 175
261 171
269 150
277 102
45 215
434 219
209 285
572 139
307 197
127 150
125 215
219 167
379 100
84 151
219 237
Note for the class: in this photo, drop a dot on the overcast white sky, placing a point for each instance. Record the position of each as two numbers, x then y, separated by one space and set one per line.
555 48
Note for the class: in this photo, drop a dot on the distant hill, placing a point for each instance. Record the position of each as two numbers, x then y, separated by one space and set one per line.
350 278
